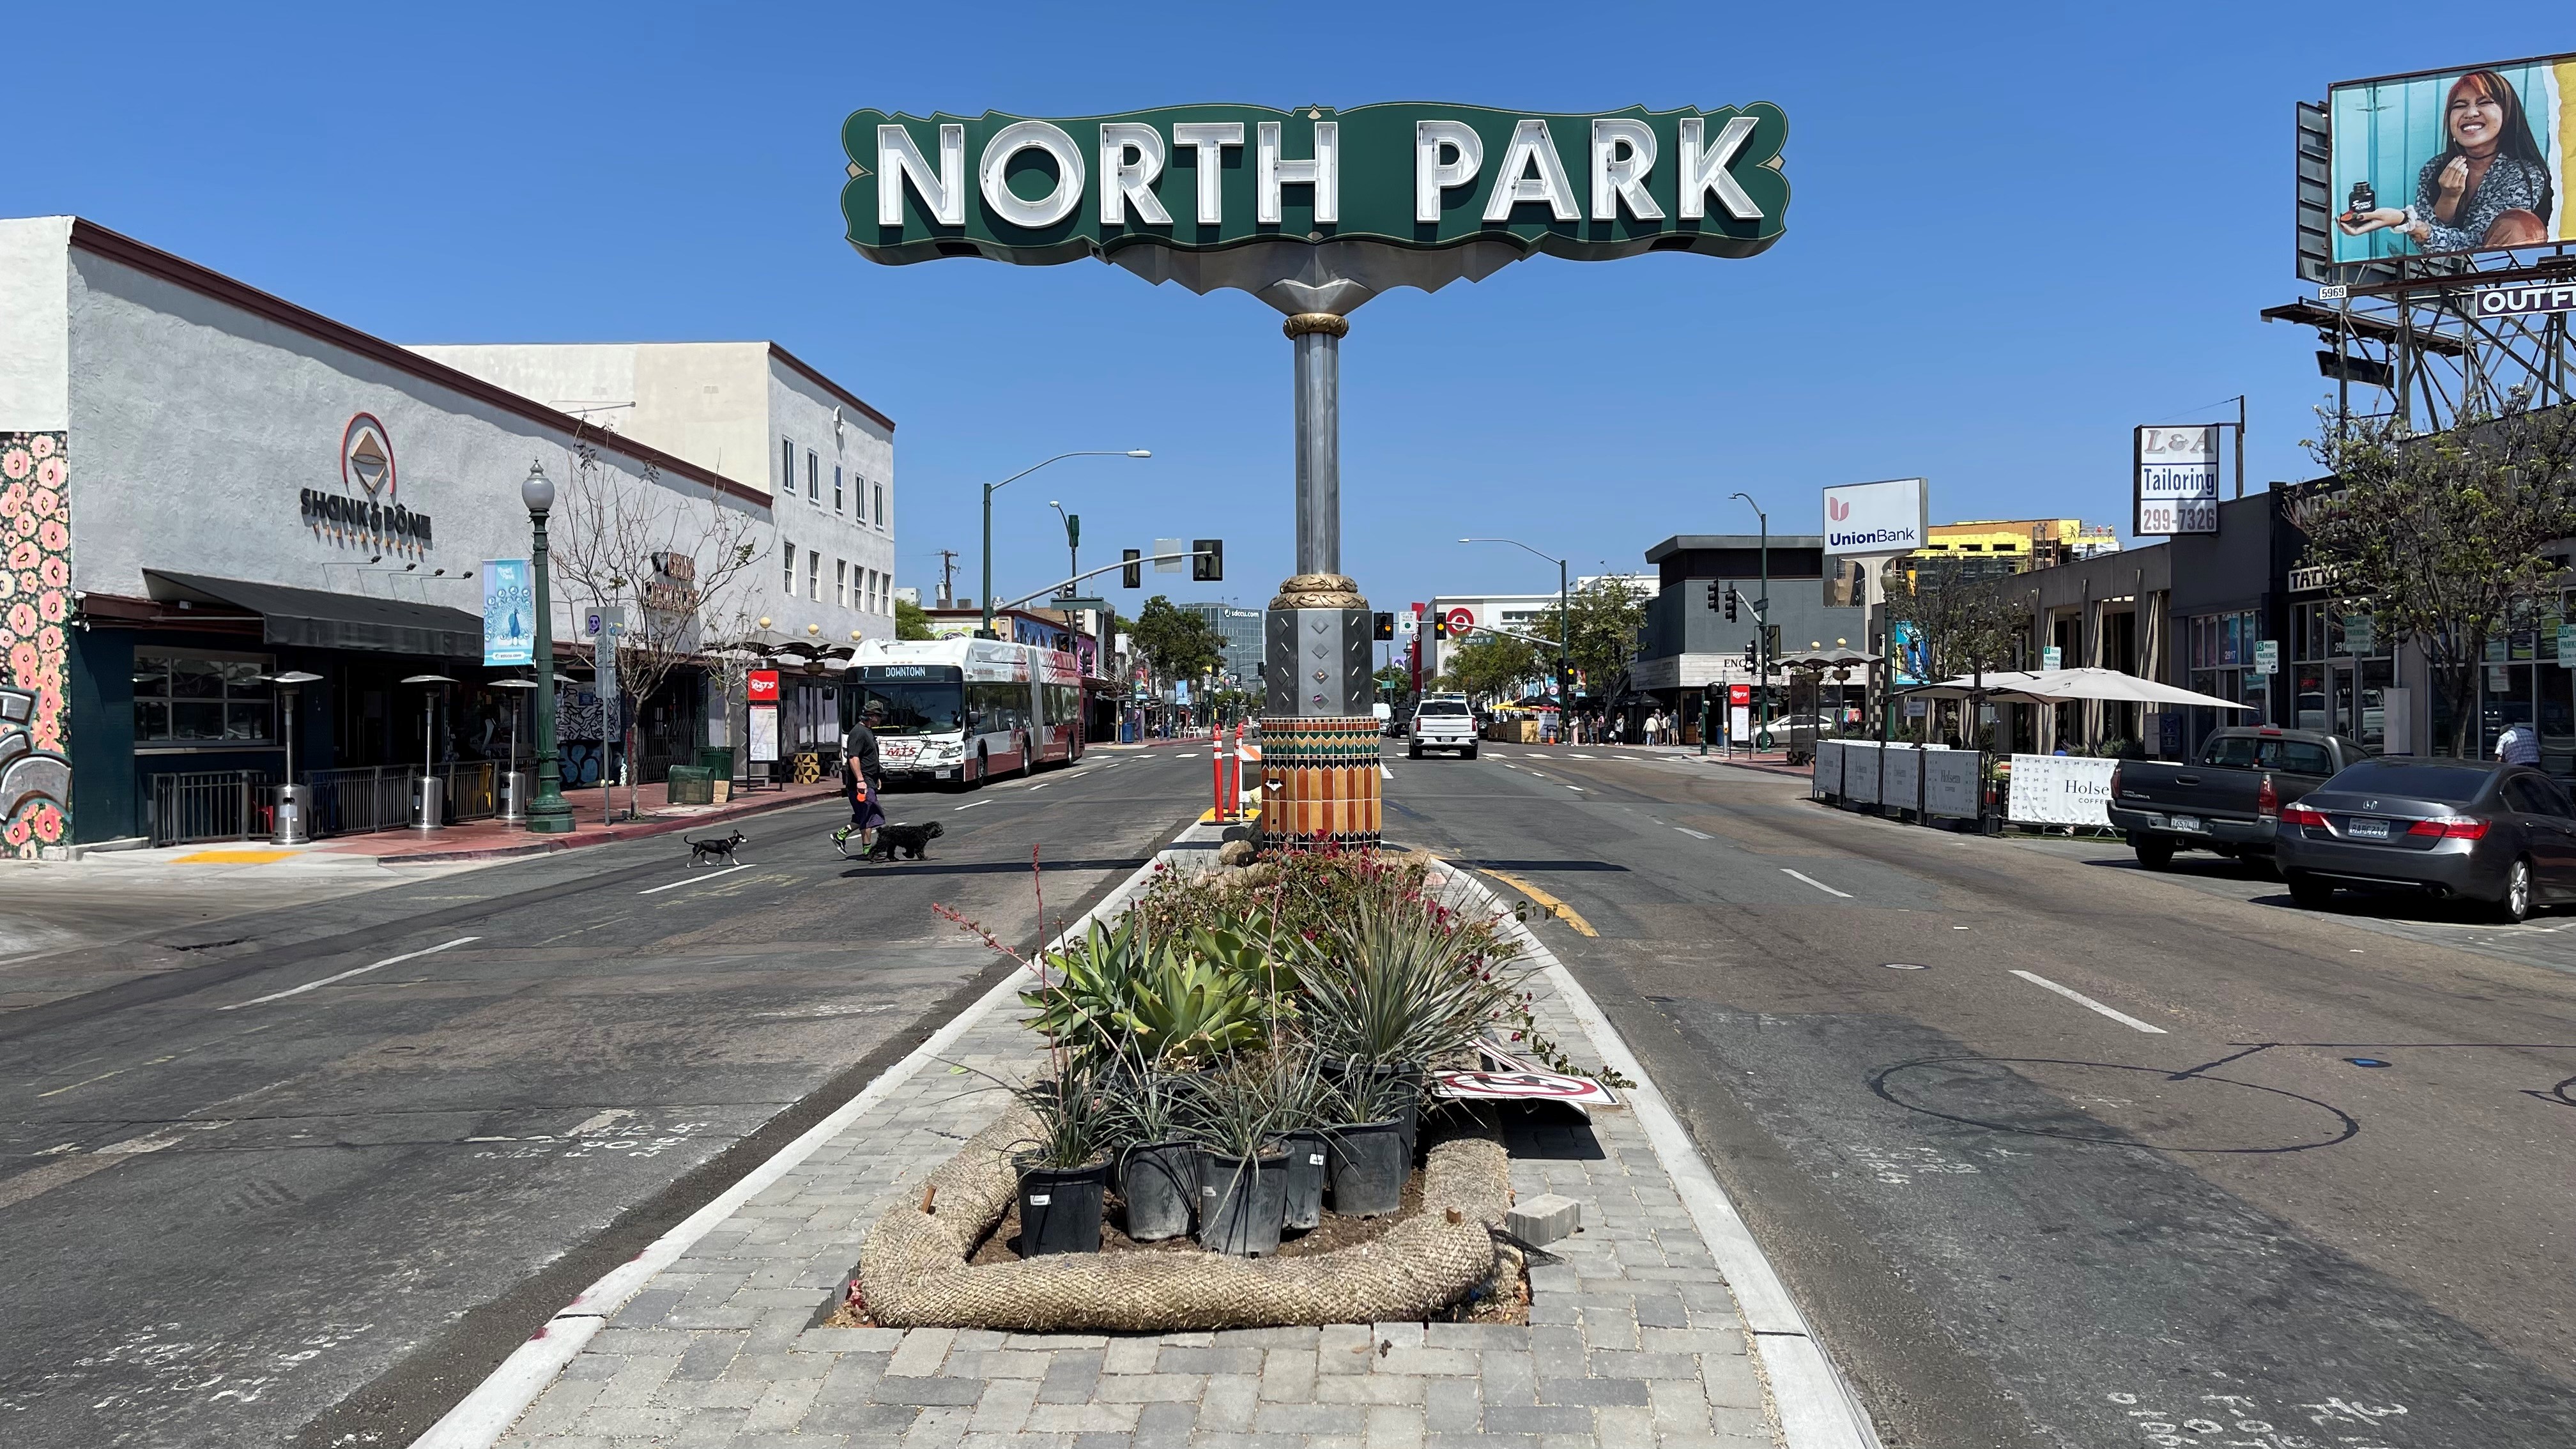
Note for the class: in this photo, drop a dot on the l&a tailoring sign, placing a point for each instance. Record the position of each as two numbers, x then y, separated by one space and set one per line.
1208 177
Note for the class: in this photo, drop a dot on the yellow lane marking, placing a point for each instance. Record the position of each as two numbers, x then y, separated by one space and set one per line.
1245 816
1555 907
234 857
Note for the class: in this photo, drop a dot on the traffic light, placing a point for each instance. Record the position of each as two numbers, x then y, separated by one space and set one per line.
1713 595
1207 560
1133 575
1386 626
1749 665
1439 626
1730 603
1770 641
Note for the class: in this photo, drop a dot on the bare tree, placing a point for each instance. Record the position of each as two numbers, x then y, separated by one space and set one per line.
675 562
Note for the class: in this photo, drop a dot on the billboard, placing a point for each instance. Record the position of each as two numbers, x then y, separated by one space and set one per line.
1862 519
2452 161
2177 473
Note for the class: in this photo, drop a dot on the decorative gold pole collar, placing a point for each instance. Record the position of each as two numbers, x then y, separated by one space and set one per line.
1302 323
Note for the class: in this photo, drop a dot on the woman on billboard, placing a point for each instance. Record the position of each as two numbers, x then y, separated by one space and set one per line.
2488 187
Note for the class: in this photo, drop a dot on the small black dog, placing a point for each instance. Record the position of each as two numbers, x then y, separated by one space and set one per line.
713 852
911 840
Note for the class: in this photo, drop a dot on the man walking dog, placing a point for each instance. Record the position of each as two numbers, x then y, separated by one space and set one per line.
863 778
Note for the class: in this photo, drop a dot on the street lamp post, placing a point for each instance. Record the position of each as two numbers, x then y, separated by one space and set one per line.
1072 544
992 488
1564 629
1761 631
549 813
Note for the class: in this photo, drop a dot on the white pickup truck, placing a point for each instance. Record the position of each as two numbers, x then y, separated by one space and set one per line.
1442 722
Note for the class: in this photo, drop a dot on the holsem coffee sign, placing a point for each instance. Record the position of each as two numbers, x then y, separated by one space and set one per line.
1198 178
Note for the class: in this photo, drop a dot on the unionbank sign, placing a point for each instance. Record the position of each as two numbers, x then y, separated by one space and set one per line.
1875 518
1203 178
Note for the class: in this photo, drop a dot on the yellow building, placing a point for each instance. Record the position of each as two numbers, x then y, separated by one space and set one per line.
2012 546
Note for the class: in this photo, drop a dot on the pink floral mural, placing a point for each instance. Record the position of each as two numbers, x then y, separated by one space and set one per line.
35 600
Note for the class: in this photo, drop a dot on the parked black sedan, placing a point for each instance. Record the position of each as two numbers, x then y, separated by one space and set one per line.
2502 834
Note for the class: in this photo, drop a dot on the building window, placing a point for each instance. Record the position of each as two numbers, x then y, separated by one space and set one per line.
790 585
877 585
836 488
813 477
787 465
840 583
880 514
183 699
813 575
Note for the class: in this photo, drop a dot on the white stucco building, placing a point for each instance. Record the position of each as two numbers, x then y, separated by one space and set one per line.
203 485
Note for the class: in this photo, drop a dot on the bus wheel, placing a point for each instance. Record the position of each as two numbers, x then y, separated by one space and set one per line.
983 767
1028 758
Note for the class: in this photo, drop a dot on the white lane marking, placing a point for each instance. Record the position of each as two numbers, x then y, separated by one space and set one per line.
675 885
1820 885
1576 788
1694 834
1384 773
1579 757
1040 785
1192 755
482 1416
345 975
971 804
1631 759
2087 1002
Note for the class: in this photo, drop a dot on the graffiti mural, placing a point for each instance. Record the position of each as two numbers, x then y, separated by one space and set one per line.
35 607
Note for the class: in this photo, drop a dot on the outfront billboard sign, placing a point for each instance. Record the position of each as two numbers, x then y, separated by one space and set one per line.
2177 475
1865 519
2452 160
1412 175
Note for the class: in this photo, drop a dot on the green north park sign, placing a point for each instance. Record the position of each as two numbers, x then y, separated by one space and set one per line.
1411 175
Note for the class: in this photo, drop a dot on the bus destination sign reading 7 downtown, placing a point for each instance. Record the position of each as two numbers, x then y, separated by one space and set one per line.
1409 175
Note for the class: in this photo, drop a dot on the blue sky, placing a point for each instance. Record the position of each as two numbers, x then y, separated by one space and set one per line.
2015 233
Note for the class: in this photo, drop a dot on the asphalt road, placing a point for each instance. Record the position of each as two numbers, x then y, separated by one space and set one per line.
2059 1152
313 1188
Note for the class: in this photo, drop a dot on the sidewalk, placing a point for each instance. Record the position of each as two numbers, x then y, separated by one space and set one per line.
1635 1340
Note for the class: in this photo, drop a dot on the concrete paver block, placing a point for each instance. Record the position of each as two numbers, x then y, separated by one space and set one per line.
1541 1220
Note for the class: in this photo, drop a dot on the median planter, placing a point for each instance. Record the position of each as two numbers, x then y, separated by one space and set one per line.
1159 1183
1243 1202
1306 1163
1368 1163
1060 1209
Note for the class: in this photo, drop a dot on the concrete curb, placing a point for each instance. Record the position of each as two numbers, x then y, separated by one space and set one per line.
483 1416
1817 1407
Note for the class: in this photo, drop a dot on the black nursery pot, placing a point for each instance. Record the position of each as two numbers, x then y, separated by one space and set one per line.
1306 1164
1060 1209
1369 1163
1243 1202
1160 1182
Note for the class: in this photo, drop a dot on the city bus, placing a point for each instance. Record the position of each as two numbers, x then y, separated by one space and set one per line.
965 710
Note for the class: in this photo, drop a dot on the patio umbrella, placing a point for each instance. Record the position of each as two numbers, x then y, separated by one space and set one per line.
2070 686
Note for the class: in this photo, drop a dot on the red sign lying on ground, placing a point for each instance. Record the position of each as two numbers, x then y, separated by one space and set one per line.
1507 1078
763 687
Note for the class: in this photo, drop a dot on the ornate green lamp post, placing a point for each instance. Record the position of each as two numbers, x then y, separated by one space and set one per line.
549 813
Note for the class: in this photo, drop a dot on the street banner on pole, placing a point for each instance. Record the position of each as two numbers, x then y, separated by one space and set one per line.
509 613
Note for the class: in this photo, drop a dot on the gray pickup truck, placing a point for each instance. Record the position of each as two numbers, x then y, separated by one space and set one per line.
2230 800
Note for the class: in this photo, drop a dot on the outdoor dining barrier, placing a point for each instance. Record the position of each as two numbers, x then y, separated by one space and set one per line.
1925 781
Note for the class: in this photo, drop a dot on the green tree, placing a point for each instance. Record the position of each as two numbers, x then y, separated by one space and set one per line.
2441 537
1606 617
1967 625
1175 643
1490 665
911 621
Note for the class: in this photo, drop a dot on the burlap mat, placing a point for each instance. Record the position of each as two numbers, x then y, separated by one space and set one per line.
913 1270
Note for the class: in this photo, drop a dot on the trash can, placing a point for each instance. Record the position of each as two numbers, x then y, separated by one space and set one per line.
691 785
514 797
428 802
718 759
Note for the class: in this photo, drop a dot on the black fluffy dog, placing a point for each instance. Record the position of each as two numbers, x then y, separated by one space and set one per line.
909 840
713 852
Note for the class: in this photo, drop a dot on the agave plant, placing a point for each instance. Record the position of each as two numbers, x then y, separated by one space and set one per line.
1118 996
1095 983
1187 1009
1397 984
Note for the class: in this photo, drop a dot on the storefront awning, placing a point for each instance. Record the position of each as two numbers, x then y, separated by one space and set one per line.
314 619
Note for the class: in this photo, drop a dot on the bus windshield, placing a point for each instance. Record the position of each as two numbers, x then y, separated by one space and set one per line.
916 706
